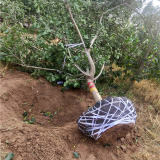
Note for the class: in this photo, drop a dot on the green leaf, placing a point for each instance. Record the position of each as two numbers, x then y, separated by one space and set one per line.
33 119
51 116
76 84
46 114
30 122
25 114
107 145
9 156
86 36
38 10
76 154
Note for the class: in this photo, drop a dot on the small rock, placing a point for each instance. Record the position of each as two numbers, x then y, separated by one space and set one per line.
128 136
91 157
7 142
28 143
124 148
122 139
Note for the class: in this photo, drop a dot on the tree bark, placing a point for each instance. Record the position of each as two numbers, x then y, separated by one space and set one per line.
96 96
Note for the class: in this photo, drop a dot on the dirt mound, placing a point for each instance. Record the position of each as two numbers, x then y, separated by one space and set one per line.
38 122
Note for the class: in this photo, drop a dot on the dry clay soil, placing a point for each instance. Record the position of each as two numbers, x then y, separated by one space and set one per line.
50 137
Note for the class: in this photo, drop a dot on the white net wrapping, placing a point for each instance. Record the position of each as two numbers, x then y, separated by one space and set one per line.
105 114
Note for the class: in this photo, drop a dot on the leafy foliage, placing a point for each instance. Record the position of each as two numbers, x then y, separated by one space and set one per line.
36 33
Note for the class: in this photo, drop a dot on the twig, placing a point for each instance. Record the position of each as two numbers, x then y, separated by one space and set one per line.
94 38
148 64
13 54
77 79
33 46
69 53
99 73
81 70
21 58
35 67
36 48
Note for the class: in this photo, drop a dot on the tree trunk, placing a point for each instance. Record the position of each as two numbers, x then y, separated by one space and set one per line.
97 97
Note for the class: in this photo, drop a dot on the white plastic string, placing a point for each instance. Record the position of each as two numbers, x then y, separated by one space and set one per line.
105 114
73 45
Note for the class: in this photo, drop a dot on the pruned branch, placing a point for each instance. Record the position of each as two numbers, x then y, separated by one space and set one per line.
99 73
92 65
82 71
94 38
35 67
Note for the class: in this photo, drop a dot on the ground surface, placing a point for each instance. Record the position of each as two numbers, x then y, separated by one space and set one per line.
55 134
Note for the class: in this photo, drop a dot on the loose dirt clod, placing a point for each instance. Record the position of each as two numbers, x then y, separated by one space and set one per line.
116 132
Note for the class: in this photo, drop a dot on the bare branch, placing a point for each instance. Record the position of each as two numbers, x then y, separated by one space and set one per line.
81 70
92 65
13 54
99 73
35 67
90 73
37 48
21 58
77 79
94 38
70 13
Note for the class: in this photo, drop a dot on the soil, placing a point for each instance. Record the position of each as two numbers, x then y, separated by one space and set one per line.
54 134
